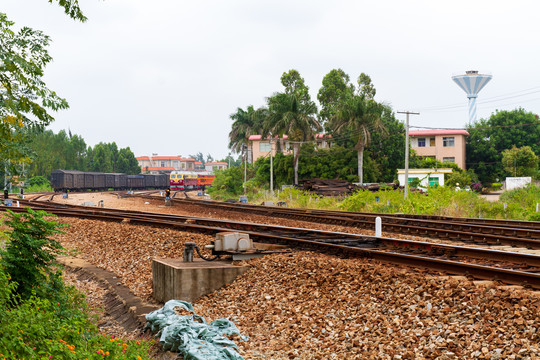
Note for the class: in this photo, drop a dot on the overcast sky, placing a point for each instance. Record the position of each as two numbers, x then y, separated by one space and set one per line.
163 76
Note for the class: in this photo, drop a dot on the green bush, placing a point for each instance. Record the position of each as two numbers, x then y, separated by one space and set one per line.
534 216
38 184
30 254
40 317
38 328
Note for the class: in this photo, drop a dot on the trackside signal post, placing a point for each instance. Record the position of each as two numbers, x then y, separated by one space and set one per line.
406 192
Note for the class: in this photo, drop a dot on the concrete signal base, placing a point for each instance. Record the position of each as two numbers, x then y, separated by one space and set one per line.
188 281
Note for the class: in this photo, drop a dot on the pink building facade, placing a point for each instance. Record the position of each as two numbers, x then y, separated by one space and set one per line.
164 164
443 145
259 147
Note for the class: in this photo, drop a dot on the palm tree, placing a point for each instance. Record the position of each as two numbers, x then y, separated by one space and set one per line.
244 125
289 115
361 115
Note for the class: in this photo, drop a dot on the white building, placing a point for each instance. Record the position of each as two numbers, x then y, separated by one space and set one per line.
428 177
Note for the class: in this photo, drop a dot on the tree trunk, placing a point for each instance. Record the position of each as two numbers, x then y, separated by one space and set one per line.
361 164
296 154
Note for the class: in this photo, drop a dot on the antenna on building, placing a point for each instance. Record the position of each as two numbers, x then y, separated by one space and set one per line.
472 82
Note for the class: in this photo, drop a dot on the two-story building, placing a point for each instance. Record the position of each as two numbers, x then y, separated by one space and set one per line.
164 164
212 166
259 147
443 145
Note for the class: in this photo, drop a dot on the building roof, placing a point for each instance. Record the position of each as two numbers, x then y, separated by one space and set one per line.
166 158
153 168
216 163
425 171
323 136
438 132
259 137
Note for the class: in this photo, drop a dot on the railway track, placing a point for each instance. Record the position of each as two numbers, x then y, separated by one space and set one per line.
477 231
508 267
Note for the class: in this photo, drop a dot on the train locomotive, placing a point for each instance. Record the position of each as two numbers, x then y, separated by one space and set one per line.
74 180
190 180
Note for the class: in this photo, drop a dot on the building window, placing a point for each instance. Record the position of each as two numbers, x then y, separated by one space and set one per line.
421 142
448 141
175 164
449 159
163 164
433 181
432 141
264 147
413 182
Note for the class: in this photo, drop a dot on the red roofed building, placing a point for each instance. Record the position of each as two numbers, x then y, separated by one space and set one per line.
211 166
164 164
444 145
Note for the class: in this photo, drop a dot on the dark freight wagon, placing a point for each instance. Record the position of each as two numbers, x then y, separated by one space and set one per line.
62 180
135 182
74 180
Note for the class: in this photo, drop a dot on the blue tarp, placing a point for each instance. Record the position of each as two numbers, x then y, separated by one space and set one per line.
191 335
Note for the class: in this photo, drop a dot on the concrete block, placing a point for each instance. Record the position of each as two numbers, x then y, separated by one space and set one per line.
175 279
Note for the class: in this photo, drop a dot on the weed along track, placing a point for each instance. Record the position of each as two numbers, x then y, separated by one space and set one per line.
480 263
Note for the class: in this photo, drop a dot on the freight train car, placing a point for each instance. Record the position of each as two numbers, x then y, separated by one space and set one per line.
74 180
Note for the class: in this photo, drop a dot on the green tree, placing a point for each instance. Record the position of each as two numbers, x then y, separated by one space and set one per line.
24 97
30 254
520 161
335 88
387 148
290 116
365 87
490 137
360 116
127 162
245 123
295 84
102 161
292 113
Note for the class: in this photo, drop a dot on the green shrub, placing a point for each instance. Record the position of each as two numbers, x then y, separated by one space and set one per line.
30 254
40 317
534 216
38 328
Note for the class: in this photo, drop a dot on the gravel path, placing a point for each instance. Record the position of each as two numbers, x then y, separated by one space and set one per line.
312 306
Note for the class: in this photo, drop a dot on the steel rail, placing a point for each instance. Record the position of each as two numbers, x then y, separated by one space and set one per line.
527 228
330 241
533 225
462 232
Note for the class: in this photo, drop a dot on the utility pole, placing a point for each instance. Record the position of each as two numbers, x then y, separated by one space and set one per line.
245 149
271 168
406 193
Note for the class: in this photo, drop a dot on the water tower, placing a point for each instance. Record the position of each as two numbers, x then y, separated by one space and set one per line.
472 82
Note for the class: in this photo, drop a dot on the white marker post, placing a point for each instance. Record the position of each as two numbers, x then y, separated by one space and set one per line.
378 227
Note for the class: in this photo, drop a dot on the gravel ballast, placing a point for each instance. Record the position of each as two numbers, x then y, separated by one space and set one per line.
306 305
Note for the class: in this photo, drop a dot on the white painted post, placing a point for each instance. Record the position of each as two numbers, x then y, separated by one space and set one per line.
537 206
378 226
18 203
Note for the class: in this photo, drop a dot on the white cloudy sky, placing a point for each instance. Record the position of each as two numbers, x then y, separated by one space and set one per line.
163 76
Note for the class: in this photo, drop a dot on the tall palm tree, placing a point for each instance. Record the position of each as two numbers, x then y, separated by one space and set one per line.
289 115
244 125
360 115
